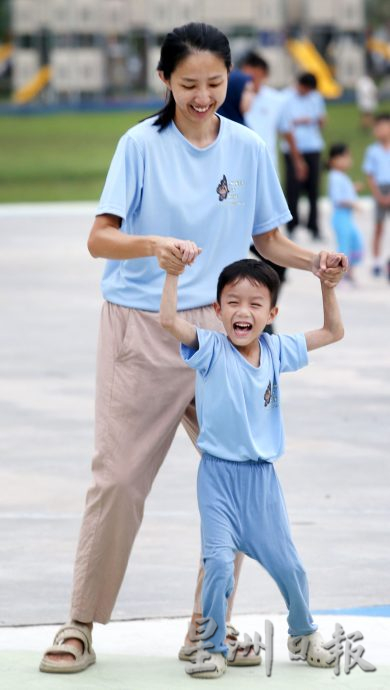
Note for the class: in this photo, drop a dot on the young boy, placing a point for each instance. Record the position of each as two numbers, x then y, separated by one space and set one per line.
241 435
376 165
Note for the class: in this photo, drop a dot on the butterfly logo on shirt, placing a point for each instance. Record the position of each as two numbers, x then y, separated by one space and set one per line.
268 395
223 189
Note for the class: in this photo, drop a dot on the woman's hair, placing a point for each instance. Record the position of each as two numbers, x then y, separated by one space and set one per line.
180 43
257 272
335 151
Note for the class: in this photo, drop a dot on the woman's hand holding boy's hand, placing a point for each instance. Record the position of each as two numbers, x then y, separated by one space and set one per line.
189 251
329 267
174 254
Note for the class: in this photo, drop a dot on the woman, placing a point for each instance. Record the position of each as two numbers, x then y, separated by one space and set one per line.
185 174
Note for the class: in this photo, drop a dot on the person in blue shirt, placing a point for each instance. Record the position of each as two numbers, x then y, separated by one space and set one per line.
240 437
264 117
343 195
376 165
183 174
304 115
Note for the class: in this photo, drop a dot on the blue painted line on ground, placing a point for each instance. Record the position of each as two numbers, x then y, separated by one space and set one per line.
380 610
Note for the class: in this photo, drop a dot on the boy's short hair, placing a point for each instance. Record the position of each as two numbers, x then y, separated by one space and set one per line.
253 59
308 79
257 272
382 117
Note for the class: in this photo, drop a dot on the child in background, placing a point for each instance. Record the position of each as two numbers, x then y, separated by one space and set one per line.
376 165
342 193
241 435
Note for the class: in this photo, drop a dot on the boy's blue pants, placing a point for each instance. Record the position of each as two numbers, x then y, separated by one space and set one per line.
242 509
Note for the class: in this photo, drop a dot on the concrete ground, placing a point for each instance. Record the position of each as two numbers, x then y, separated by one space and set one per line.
335 472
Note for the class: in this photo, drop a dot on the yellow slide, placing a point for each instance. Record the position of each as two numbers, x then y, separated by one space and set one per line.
308 57
375 45
33 87
5 52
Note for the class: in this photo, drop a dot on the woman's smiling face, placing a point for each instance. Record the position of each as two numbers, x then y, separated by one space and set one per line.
198 85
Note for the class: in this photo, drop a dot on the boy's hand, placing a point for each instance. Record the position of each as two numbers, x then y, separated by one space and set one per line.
168 255
189 251
329 267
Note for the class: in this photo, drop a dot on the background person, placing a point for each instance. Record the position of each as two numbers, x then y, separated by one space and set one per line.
366 93
304 116
239 97
343 195
264 117
376 165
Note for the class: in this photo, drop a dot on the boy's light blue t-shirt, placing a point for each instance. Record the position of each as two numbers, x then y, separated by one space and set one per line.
218 196
308 137
340 188
237 404
377 163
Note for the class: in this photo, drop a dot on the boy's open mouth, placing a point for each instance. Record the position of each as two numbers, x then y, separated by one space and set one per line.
242 327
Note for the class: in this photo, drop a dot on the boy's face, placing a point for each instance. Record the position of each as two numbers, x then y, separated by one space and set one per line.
382 131
245 310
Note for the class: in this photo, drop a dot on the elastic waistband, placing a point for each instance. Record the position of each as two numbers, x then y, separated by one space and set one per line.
254 463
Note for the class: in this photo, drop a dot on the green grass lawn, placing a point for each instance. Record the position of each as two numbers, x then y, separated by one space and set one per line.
66 157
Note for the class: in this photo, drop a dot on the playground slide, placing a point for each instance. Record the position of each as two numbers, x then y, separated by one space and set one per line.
5 54
308 57
375 45
33 87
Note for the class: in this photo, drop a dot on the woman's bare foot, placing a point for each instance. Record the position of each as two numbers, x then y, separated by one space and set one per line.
74 643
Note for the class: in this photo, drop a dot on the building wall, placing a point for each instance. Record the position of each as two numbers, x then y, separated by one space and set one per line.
82 34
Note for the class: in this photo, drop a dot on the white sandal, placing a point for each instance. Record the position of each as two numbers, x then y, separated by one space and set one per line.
81 659
214 666
314 653
243 656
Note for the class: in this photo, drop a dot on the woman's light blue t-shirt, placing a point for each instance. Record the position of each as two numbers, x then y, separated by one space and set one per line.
237 404
340 188
217 196
377 163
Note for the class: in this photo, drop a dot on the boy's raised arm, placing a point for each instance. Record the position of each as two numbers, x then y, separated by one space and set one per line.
333 328
169 319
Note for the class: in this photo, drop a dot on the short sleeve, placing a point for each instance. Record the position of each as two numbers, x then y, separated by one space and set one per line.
289 350
271 206
340 189
285 119
123 187
369 162
202 358
321 105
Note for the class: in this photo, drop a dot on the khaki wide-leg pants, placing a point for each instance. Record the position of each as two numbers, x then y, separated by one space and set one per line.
143 391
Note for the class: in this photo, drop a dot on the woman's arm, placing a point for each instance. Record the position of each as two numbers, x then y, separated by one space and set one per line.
169 319
333 329
277 248
105 241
